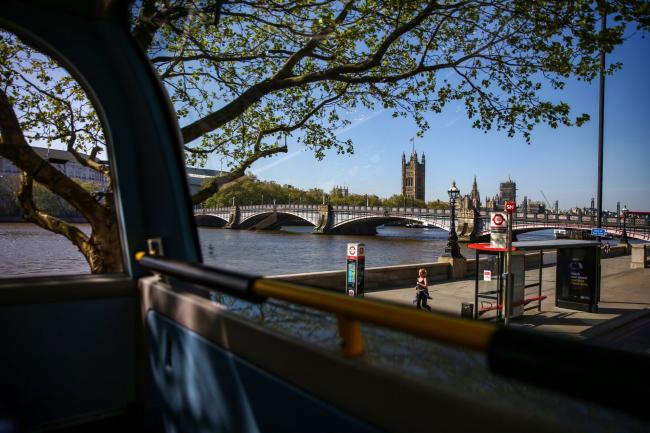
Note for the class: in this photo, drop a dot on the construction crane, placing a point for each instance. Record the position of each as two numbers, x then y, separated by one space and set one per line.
547 202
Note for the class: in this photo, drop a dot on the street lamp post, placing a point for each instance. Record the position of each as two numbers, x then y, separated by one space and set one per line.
624 234
601 120
452 248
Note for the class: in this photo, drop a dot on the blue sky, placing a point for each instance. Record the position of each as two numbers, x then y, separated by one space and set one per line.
562 162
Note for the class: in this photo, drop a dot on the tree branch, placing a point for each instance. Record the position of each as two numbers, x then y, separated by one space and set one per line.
90 162
32 213
15 148
257 91
150 20
219 181
287 68
207 56
299 124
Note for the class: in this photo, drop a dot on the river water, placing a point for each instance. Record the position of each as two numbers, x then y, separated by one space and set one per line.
26 249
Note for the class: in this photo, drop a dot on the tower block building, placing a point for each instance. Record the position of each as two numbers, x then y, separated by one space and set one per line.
413 177
508 191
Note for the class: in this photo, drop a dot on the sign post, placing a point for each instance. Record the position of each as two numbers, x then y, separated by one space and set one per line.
510 208
356 264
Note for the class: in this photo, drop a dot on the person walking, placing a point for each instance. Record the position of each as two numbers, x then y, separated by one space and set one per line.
422 290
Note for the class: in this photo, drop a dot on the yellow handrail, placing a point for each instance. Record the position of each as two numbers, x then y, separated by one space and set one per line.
461 332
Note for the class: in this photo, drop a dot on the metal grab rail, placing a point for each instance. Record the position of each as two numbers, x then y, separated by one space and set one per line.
453 330
232 283
599 374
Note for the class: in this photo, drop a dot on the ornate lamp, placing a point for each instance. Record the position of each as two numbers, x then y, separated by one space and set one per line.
452 249
624 216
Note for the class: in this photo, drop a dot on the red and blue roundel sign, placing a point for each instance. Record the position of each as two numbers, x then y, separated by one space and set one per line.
356 251
498 219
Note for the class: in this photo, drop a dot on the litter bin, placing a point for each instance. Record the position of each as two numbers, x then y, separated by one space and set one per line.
467 310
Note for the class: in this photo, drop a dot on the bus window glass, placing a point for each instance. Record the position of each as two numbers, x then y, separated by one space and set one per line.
57 211
271 97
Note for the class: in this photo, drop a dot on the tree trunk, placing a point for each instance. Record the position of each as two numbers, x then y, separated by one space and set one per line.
106 255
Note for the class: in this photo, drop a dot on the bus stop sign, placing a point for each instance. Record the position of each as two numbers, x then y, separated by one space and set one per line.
510 206
356 258
497 230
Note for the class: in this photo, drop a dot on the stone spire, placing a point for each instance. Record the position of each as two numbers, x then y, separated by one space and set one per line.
474 196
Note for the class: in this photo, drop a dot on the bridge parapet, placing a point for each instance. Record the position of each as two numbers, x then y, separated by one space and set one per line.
295 206
379 209
638 228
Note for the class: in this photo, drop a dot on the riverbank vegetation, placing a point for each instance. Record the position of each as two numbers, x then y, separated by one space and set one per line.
44 199
248 190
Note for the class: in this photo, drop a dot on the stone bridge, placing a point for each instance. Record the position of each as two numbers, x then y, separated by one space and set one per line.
329 219
636 228
364 220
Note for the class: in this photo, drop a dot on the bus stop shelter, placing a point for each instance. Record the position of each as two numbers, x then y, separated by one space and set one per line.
577 277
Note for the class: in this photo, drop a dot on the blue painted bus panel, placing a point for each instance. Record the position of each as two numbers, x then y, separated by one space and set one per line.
206 388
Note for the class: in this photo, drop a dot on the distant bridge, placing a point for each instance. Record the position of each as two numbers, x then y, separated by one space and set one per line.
636 228
364 220
324 218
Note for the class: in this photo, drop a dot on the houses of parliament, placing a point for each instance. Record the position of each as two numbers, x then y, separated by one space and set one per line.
413 187
413 176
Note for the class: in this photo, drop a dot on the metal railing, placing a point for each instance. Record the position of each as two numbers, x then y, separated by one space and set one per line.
638 229
378 209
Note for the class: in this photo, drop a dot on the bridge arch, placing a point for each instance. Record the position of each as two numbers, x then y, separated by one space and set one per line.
269 220
208 220
367 224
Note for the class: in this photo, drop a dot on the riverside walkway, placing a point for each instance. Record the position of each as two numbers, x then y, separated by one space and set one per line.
624 307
